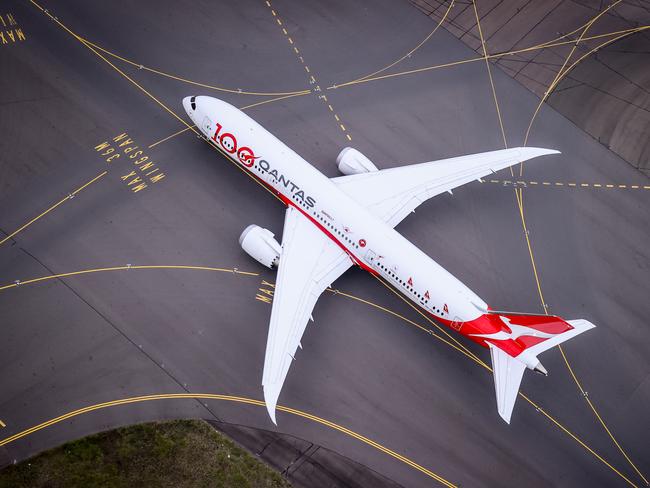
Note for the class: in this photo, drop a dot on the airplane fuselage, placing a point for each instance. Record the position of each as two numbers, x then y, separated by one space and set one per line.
370 243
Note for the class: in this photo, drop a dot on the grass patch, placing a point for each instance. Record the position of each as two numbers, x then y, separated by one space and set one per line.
179 453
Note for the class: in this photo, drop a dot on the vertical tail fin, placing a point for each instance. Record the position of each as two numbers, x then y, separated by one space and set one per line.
508 370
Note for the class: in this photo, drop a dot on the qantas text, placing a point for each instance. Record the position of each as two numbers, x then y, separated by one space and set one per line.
246 156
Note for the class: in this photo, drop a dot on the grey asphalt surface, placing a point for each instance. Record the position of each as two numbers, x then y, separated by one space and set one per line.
88 339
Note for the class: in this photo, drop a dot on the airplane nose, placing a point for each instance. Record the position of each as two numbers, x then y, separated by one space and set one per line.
189 105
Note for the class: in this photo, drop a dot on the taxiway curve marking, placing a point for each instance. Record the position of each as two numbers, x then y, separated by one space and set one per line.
249 401
191 82
545 45
18 283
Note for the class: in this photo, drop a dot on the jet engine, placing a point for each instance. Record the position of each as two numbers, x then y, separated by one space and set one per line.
352 162
260 245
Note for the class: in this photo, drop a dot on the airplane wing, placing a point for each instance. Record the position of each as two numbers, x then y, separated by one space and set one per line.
391 194
309 263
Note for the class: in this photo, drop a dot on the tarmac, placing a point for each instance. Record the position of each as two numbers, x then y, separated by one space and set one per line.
153 311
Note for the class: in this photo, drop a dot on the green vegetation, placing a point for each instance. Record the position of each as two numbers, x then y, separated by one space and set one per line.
180 453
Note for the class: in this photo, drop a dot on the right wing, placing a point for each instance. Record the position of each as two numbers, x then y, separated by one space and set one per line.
309 263
391 194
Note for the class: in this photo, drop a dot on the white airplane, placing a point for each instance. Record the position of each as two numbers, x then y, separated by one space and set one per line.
332 224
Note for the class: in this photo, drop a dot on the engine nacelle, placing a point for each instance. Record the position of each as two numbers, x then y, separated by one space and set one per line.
352 162
260 245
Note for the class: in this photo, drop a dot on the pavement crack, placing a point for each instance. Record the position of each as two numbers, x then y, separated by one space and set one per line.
285 471
604 92
271 442
304 458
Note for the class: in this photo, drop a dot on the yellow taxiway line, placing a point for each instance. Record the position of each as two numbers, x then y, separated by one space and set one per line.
228 398
65 199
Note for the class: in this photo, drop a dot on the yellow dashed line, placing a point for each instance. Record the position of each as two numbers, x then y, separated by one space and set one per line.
2 424
562 184
312 79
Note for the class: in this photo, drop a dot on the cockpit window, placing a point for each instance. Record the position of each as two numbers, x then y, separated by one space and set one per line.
193 103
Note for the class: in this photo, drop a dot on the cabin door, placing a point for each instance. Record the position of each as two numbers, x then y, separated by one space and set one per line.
371 258
206 127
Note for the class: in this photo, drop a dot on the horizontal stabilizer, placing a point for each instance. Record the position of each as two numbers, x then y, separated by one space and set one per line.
578 326
508 370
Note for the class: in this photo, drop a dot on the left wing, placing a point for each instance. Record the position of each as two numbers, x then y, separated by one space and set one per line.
309 263
391 194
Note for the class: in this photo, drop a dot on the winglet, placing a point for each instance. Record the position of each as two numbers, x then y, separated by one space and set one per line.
271 395
534 152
